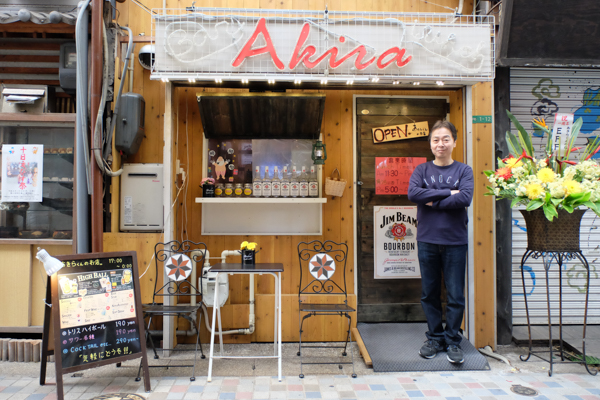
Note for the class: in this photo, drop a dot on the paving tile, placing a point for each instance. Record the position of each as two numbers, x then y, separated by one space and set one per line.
12 389
175 395
243 395
414 393
313 395
157 396
37 396
227 396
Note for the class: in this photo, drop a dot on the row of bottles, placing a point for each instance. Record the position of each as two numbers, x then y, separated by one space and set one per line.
301 184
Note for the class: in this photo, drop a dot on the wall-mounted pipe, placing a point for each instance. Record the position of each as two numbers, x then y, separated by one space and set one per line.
251 314
81 132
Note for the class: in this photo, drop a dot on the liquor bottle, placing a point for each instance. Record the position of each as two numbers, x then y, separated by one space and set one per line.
313 183
257 183
294 184
266 183
285 183
276 183
303 183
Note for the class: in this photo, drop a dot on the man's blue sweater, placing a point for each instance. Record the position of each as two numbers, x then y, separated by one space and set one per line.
445 222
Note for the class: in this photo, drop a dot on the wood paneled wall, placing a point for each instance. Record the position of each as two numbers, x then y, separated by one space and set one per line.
338 213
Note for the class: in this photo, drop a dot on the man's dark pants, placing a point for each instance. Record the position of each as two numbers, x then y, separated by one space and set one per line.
451 260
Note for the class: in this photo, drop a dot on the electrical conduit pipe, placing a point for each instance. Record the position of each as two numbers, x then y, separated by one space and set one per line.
251 316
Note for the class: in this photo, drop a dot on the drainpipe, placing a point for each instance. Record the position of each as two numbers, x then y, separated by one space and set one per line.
251 316
82 227
96 79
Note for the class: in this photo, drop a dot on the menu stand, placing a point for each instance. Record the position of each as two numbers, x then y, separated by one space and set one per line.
559 257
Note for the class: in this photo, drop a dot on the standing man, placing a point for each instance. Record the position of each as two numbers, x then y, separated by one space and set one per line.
442 189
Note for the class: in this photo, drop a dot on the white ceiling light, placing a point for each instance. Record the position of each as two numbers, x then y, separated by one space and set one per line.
396 83
374 79
349 82
297 81
439 83
323 81
416 83
218 80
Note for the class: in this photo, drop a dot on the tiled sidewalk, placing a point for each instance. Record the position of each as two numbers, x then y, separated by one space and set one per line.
436 386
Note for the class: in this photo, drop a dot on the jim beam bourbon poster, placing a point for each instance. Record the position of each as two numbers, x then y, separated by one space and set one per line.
395 242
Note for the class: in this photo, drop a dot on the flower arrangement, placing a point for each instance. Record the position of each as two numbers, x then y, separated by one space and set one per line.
553 182
248 246
207 181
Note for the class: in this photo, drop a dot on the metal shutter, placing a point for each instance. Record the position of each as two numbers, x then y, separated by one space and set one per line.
543 92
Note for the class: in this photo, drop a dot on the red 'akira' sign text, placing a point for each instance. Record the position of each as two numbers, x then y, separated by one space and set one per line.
400 132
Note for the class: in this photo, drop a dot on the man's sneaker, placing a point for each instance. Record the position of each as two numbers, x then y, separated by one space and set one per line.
455 354
431 348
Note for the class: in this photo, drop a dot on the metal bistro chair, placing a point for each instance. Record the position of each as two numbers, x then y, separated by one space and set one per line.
319 261
180 263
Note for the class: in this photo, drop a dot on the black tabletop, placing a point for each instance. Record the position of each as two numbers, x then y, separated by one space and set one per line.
240 268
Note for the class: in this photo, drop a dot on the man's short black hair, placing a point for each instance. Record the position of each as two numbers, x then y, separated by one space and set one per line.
442 123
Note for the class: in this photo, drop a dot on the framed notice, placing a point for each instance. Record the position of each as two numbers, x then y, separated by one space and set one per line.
96 313
395 242
22 172
392 174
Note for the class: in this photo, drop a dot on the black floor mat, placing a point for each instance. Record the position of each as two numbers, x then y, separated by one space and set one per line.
394 347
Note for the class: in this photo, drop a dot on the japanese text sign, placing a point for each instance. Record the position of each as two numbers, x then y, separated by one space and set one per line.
392 174
561 130
22 172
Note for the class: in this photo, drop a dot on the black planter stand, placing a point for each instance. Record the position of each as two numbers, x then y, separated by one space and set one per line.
548 257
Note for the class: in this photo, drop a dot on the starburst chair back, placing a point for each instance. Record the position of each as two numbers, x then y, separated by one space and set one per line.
177 293
323 292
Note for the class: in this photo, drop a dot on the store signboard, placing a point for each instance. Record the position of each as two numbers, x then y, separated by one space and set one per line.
270 44
392 174
400 132
22 172
395 242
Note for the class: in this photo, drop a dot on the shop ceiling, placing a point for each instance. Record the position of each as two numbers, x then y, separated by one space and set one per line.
223 46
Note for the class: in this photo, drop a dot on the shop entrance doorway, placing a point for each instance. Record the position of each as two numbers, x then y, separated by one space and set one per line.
391 300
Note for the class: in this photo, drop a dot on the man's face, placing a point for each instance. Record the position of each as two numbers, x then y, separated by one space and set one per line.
442 143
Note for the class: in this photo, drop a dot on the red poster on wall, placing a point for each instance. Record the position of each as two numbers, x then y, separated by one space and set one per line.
392 174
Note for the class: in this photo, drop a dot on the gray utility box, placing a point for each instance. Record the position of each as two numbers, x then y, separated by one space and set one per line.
129 130
142 198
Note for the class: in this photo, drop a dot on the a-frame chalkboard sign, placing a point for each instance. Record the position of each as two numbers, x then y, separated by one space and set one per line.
96 317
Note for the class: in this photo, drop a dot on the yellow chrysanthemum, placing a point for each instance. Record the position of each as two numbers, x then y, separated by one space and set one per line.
572 187
534 190
243 245
546 175
513 163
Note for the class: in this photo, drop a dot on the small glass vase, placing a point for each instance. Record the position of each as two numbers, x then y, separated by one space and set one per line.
248 257
208 190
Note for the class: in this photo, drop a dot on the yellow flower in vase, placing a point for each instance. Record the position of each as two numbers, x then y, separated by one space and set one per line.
244 245
546 175
251 246
572 187
534 190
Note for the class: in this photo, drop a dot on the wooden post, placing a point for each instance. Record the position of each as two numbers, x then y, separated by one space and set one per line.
484 248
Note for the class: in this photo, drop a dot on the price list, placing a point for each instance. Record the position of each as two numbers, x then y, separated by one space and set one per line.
392 174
